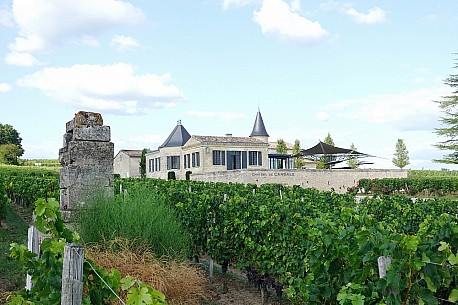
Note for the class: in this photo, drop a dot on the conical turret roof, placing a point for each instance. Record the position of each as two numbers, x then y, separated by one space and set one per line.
259 130
178 137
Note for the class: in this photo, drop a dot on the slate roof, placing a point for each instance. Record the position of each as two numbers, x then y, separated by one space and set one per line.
259 129
178 137
227 140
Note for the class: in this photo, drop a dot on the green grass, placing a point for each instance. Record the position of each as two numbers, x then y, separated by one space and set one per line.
140 216
13 229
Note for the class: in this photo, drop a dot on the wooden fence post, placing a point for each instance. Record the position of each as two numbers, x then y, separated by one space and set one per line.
210 271
72 275
33 246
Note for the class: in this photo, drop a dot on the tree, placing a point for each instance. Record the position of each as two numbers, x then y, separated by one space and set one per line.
9 153
281 146
352 161
449 106
143 163
298 161
281 149
328 140
323 163
401 155
10 144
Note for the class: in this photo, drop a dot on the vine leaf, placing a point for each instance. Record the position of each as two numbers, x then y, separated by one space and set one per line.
453 259
139 296
453 297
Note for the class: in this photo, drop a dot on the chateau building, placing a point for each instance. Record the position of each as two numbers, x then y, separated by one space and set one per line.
183 153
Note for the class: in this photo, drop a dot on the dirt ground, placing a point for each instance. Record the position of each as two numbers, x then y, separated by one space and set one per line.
240 292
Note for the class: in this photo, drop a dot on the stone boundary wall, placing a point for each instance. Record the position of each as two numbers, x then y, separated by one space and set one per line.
338 180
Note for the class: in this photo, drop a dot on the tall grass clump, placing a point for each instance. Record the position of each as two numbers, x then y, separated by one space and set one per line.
140 216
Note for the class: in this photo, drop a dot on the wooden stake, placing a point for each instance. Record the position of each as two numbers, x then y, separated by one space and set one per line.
72 275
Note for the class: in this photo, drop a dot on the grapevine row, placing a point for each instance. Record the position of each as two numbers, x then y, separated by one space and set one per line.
321 246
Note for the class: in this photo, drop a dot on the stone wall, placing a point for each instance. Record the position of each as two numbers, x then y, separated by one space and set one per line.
326 180
87 162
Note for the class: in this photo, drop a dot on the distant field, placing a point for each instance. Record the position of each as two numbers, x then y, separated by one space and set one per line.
40 163
16 170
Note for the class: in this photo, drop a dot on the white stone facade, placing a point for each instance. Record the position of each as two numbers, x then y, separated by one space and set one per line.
127 163
197 156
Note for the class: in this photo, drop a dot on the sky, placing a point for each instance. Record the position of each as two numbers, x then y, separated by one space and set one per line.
366 72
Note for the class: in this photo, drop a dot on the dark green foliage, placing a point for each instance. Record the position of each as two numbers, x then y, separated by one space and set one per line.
10 144
323 247
142 164
171 176
401 154
412 186
14 229
46 270
9 135
4 202
449 131
25 185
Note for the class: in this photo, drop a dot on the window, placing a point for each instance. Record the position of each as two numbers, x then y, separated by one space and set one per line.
151 165
196 159
173 162
219 157
255 158
187 161
158 163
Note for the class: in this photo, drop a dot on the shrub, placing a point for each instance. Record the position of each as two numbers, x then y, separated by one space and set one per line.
4 202
137 215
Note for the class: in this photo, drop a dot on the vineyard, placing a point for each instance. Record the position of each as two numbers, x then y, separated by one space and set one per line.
313 247
321 247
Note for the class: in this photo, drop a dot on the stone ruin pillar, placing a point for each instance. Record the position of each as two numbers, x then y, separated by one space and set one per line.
87 162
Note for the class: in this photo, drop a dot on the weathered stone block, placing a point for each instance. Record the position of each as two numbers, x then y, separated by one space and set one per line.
84 118
96 175
79 195
92 133
90 152
67 138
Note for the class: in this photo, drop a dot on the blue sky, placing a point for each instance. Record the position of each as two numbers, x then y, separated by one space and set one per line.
367 72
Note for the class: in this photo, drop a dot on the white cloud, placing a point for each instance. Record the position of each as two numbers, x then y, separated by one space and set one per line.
224 116
124 43
373 16
41 149
408 111
112 88
21 59
44 24
6 18
295 5
90 41
322 116
277 18
238 3
4 87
